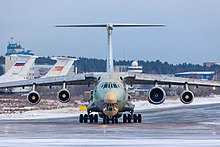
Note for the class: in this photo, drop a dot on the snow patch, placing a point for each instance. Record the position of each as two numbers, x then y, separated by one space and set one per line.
144 105
74 111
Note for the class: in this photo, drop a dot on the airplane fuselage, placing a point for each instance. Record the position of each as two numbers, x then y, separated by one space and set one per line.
110 95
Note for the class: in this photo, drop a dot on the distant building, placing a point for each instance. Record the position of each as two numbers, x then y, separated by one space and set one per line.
209 64
198 75
120 68
135 67
41 70
12 49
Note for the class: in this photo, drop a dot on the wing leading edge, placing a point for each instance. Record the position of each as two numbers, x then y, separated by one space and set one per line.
167 80
78 79
129 78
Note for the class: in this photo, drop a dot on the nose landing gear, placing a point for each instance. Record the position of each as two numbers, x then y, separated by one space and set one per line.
107 119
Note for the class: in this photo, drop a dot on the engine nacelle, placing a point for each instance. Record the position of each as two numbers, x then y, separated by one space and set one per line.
156 95
64 95
187 97
33 97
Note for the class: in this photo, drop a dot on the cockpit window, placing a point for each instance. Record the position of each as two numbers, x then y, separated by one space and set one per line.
109 85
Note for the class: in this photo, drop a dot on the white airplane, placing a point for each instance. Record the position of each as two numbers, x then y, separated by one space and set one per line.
19 71
61 68
110 96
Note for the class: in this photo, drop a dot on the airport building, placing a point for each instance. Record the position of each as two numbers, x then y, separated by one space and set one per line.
209 64
209 75
134 68
13 49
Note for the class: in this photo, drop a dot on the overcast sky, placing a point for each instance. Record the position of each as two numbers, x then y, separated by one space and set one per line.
192 33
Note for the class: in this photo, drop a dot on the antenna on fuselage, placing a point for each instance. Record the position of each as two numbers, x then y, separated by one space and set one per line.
109 27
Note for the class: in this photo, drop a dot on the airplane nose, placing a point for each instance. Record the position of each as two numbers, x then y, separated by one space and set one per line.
110 97
110 108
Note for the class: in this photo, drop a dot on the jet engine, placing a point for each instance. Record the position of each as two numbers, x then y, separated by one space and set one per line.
187 97
64 95
33 97
156 95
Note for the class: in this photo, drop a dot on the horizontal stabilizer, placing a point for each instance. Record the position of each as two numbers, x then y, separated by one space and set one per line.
112 25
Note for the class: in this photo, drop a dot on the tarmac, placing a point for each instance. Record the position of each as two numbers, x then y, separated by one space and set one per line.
194 125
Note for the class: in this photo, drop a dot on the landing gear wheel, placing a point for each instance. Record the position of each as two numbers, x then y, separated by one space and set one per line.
81 118
85 118
124 118
113 120
135 118
105 120
116 119
91 118
129 118
139 118
96 118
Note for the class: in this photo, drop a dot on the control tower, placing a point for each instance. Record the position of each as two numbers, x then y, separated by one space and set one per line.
14 48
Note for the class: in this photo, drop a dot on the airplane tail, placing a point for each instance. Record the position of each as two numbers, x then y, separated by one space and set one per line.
109 27
61 68
20 69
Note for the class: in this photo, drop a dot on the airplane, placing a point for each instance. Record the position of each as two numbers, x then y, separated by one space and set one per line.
61 68
19 71
109 99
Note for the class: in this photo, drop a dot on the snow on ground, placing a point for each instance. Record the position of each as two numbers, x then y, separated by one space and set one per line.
74 111
109 142
142 105
44 114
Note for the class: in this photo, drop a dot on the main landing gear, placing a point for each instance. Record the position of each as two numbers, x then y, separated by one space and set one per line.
93 118
88 118
128 118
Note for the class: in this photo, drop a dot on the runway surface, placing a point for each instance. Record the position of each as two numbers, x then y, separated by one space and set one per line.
182 126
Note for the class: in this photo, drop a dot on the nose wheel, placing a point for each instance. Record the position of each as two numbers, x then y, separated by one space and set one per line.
106 120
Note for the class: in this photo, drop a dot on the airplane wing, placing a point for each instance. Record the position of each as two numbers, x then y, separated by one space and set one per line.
77 79
129 78
140 78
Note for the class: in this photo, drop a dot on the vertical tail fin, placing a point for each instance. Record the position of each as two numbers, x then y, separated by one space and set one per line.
109 28
62 67
20 69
